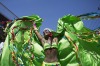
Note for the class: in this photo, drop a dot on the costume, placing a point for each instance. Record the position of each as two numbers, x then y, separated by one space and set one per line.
51 64
22 43
46 46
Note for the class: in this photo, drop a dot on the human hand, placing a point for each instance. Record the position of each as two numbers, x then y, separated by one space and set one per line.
34 26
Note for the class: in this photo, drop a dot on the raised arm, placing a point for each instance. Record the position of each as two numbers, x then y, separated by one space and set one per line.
37 33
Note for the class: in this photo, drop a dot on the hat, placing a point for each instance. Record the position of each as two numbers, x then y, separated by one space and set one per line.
53 32
47 29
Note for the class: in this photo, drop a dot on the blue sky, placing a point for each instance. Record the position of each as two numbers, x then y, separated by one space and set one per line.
51 10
